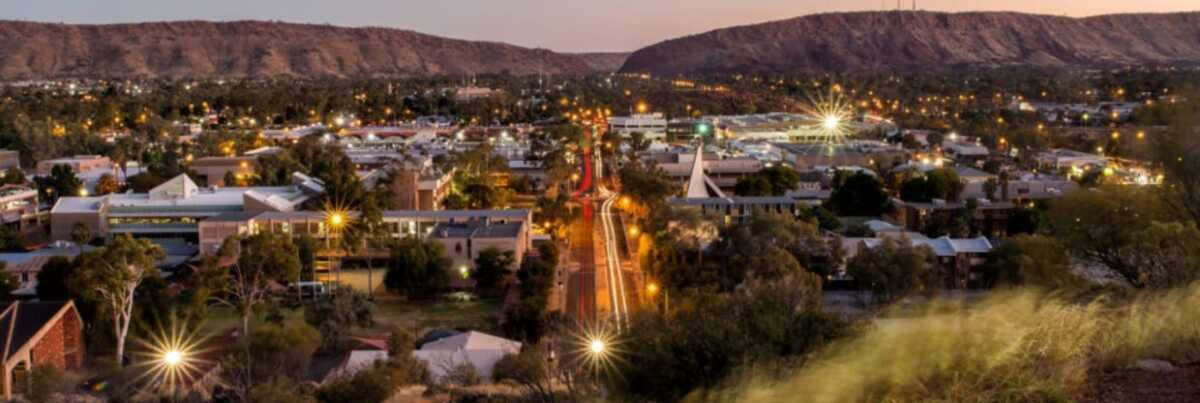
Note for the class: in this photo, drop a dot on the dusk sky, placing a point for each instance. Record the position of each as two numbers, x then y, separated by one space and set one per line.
563 25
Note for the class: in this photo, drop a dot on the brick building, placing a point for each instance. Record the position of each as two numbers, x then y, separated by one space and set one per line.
39 333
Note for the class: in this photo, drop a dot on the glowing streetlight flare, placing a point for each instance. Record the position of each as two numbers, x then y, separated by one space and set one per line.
173 358
831 122
596 346
336 219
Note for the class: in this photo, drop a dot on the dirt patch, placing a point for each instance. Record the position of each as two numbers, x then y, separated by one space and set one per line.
1140 386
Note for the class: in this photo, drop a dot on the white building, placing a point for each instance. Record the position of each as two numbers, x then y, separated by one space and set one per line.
653 126
479 350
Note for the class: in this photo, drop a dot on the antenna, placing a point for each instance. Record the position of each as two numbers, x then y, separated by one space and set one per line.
914 5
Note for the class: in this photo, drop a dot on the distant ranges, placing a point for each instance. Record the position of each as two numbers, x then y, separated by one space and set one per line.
897 41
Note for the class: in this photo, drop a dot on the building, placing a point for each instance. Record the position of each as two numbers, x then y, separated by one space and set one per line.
418 185
89 168
964 151
26 265
736 209
989 218
961 261
9 159
212 171
397 223
1061 158
463 241
79 164
863 153
724 173
652 126
39 333
476 349
173 209
19 208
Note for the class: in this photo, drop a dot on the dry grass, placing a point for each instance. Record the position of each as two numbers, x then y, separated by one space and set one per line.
1016 346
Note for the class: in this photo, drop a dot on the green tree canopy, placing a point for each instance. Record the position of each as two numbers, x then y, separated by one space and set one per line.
858 194
418 269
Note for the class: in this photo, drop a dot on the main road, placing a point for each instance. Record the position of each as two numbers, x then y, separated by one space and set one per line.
598 289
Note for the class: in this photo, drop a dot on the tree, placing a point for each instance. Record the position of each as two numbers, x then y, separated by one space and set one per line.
649 188
261 259
462 374
858 194
8 283
418 269
278 389
1177 151
703 341
44 382
527 369
1032 260
14 176
306 248
106 185
62 182
110 277
942 183
52 280
766 246
491 267
368 233
935 139
1099 225
336 315
894 269
773 181
1166 254
81 234
271 350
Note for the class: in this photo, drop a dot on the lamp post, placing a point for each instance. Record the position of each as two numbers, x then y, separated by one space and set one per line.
336 220
172 363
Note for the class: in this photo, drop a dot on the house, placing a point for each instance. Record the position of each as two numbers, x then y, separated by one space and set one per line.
479 350
366 353
39 333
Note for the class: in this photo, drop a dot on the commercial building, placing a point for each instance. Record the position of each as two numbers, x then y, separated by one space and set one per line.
173 209
725 173
652 126
862 153
397 224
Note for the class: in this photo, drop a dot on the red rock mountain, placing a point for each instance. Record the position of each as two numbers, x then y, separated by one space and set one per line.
921 41
255 49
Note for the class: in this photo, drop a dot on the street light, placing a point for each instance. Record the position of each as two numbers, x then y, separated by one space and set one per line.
172 358
831 122
597 347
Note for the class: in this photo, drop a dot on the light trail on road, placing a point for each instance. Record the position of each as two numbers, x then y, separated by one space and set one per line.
616 278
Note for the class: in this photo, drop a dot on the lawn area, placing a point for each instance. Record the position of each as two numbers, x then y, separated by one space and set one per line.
418 316
422 316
